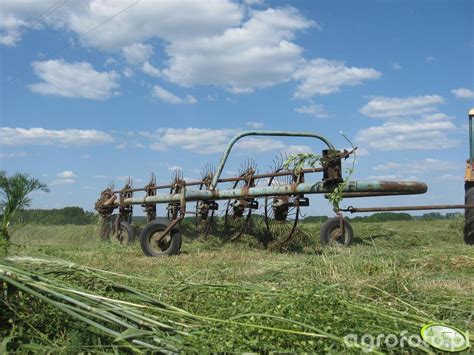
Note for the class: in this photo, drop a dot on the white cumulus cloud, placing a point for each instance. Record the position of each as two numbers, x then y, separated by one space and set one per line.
128 73
418 166
40 136
66 174
257 54
12 155
168 20
197 140
149 69
78 80
411 123
222 43
217 42
260 145
322 76
137 53
209 141
463 93
415 134
17 17
391 107
298 149
171 98
254 125
254 2
318 111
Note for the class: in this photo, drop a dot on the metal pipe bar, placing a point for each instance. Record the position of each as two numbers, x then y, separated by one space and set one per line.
261 133
229 179
366 194
267 175
401 188
471 136
405 208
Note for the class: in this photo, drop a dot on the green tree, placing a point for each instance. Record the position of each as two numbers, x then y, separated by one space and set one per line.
14 192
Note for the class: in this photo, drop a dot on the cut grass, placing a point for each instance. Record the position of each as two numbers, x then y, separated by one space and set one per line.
397 276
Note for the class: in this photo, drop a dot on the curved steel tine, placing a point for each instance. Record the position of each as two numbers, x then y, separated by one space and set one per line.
152 179
280 225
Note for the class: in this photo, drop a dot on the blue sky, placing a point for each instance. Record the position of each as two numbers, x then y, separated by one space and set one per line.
95 91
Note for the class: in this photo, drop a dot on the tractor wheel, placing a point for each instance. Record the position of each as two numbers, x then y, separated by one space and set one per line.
330 233
469 214
150 235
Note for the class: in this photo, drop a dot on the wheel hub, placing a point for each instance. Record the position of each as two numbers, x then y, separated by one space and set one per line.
336 235
280 208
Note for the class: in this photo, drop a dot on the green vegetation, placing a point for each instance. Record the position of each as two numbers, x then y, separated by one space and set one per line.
61 216
296 162
14 191
383 217
77 216
239 297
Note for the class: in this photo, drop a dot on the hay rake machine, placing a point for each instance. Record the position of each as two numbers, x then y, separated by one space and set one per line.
281 194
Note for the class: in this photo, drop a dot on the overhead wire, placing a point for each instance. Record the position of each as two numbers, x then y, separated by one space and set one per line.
82 35
37 20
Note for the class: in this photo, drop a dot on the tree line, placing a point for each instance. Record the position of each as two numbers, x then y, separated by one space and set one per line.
78 216
391 216
60 216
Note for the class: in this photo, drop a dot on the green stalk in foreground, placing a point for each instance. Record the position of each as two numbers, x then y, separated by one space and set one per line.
128 322
139 321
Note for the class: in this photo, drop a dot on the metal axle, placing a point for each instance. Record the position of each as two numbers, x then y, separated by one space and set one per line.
352 209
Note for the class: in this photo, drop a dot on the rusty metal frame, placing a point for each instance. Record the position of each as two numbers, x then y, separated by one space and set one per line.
179 194
230 145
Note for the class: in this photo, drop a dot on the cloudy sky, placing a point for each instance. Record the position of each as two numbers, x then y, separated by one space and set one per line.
95 91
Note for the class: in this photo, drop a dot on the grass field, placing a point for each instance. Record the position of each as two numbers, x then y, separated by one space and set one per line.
396 277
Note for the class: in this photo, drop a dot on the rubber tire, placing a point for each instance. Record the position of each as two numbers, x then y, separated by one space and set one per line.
156 226
331 224
130 231
124 225
469 213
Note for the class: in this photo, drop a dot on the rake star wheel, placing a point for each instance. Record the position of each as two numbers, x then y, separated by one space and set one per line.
205 210
238 212
126 211
282 213
122 233
150 208
177 184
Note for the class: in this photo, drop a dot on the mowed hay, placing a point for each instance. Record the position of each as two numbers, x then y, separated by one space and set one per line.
397 277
